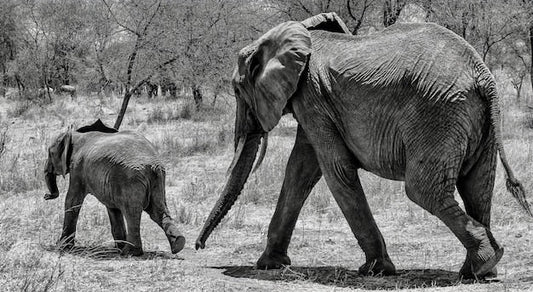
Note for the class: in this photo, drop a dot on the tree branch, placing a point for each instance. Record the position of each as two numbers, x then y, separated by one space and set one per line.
130 91
118 21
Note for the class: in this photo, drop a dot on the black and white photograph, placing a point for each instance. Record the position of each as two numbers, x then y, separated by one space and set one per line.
266 145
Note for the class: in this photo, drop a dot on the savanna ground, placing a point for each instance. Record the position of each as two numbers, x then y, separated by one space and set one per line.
197 148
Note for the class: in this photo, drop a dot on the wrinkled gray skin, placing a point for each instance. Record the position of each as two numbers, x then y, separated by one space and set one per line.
413 103
122 170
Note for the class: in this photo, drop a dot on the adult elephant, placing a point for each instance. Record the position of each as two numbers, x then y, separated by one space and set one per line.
414 103
123 171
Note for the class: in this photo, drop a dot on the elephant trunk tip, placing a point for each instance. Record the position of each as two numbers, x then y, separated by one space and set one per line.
51 183
200 244
51 196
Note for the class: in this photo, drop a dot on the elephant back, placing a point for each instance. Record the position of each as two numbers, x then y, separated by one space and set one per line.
426 57
126 149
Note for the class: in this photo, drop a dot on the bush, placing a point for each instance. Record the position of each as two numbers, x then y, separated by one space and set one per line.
162 113
20 108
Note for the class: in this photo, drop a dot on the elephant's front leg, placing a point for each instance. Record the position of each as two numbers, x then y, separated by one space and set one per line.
340 166
301 175
73 201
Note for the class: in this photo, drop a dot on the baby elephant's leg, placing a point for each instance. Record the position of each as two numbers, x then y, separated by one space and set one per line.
158 211
161 217
133 237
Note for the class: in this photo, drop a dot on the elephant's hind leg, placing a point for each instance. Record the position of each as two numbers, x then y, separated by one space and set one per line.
430 182
159 214
301 175
118 229
133 218
476 190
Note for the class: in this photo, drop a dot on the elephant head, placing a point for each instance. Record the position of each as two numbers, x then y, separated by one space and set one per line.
266 77
59 155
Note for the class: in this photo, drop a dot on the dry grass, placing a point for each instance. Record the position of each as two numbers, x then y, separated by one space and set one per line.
197 147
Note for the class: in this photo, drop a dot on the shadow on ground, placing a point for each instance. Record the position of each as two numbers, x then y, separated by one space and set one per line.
341 277
108 253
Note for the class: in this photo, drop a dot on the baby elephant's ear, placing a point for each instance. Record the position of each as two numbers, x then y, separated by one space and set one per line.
274 69
67 151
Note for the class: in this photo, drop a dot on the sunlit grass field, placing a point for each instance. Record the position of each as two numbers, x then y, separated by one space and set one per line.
197 148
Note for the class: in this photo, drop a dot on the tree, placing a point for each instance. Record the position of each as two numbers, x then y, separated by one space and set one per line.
357 14
528 4
141 26
392 10
484 24
211 33
8 33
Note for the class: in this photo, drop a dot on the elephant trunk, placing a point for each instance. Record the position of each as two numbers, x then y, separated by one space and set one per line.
50 178
239 171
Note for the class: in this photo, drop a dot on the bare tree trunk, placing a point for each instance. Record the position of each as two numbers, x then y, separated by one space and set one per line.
358 20
46 87
129 89
4 82
531 51
517 85
20 85
391 11
123 108
214 99
197 95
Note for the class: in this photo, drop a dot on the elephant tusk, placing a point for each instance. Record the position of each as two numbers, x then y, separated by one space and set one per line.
264 145
238 152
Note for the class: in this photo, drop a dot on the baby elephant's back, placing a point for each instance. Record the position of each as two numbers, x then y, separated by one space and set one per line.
120 168
127 149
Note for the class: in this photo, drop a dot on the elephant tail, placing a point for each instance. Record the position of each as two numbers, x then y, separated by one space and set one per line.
487 86
156 192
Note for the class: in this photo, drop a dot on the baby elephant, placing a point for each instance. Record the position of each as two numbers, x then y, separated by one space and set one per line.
122 170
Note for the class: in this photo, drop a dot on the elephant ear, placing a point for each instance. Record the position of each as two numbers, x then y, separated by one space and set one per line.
60 153
326 21
270 69
67 151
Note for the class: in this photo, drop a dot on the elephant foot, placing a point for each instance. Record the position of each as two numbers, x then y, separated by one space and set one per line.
51 196
177 244
476 267
376 267
131 250
120 244
175 238
273 260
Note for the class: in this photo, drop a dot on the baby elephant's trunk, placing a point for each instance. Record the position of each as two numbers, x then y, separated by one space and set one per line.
160 214
50 178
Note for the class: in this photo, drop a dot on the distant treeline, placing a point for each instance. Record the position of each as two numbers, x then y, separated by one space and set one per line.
128 46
